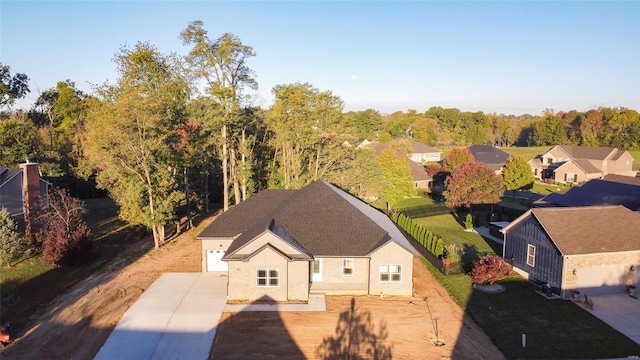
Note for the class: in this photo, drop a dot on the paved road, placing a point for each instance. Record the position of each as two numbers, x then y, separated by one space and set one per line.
176 318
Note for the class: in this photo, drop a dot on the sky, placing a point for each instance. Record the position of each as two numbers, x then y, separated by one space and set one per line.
509 57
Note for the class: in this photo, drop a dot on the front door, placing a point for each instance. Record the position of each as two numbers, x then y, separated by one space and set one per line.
317 270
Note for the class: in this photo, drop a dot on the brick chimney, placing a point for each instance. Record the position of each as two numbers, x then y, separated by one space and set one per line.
30 196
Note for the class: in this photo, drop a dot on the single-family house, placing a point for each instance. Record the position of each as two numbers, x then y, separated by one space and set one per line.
489 155
421 180
23 193
610 190
284 244
593 249
422 153
577 164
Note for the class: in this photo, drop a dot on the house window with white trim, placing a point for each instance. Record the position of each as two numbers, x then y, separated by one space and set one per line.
570 177
390 273
531 255
268 278
347 266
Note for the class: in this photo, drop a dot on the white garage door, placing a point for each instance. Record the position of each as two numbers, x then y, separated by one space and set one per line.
214 261
600 280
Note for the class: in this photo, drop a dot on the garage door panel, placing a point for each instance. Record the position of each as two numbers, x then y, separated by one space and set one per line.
214 261
600 280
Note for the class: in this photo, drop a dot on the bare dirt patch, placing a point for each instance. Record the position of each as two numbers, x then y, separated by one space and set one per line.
360 327
79 321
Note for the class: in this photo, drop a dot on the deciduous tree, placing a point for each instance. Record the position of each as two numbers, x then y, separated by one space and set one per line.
473 183
455 158
222 64
130 135
397 175
12 87
517 174
305 129
66 236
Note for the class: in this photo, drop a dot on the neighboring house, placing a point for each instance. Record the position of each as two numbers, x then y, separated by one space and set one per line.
489 155
284 244
421 180
422 153
23 193
610 190
577 164
594 250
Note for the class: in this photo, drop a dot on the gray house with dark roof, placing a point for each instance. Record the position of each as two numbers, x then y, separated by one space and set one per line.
285 244
593 249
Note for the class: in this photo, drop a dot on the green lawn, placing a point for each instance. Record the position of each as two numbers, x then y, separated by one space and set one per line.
554 328
32 283
545 189
527 152
413 202
448 227
636 157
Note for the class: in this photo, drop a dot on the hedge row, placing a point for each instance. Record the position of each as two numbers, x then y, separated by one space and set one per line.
426 238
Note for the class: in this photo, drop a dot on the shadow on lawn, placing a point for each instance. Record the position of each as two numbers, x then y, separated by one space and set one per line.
555 329
356 337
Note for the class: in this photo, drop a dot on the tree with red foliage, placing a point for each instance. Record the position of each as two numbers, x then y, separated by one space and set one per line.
66 236
489 269
473 183
437 172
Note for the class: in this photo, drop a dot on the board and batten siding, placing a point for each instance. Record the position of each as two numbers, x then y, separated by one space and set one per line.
548 259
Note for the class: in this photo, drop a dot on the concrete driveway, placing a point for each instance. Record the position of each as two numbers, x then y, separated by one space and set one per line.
175 318
620 311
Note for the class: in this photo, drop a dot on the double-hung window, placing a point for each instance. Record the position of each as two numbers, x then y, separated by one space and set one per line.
390 273
347 266
531 255
268 278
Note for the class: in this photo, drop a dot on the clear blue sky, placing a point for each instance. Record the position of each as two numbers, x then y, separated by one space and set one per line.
505 57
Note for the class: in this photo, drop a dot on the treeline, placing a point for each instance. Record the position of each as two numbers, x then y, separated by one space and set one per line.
618 127
173 133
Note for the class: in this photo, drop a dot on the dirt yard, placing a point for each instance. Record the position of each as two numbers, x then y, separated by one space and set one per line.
360 327
78 322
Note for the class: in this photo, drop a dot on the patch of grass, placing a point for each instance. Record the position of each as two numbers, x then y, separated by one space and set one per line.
448 227
32 283
413 202
636 157
555 328
526 152
544 189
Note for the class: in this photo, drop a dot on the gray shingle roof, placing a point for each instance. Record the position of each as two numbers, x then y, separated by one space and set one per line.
587 166
321 218
240 217
612 190
488 154
587 152
589 230
420 148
